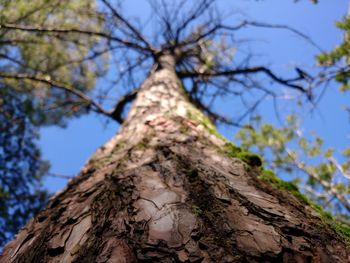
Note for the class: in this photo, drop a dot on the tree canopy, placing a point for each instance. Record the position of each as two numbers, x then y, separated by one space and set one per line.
62 59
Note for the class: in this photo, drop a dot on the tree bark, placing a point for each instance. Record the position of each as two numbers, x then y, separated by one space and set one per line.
162 190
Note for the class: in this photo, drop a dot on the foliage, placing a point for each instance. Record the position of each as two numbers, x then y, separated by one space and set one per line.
21 169
64 59
337 60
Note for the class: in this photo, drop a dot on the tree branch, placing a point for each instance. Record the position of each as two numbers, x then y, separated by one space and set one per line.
193 15
136 32
77 31
61 176
276 26
116 113
47 80
246 71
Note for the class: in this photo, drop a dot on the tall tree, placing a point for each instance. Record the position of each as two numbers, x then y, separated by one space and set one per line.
168 187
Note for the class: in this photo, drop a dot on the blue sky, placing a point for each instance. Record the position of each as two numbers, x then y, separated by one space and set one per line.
68 149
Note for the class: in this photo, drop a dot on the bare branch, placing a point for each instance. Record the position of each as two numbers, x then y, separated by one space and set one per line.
61 176
213 116
193 15
136 32
246 71
116 113
47 80
276 26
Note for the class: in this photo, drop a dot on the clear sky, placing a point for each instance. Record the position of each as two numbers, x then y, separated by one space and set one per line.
68 149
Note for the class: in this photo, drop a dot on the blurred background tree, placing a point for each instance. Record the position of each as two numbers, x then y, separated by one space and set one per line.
21 167
27 104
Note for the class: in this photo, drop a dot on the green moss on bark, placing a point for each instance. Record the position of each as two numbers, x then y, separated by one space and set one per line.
342 229
253 161
182 89
270 177
228 149
200 118
233 151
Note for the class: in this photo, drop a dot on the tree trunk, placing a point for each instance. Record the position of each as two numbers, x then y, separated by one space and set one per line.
164 190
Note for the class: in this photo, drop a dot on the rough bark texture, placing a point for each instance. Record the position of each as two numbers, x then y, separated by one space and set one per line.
162 191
